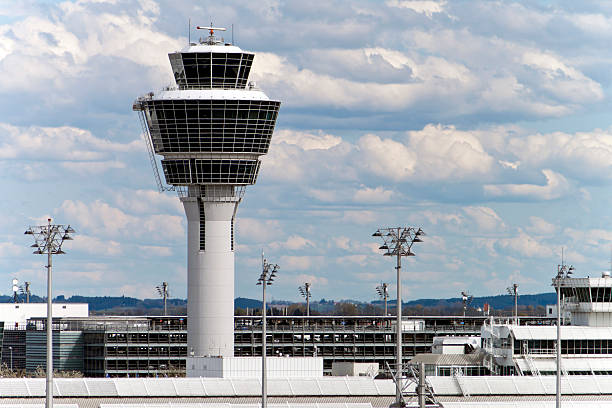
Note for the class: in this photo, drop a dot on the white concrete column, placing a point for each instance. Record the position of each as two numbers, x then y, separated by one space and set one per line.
210 278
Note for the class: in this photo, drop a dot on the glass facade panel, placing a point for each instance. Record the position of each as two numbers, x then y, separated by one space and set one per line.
198 70
212 171
196 126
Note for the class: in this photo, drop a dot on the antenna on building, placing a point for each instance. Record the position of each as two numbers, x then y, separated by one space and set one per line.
189 33
232 34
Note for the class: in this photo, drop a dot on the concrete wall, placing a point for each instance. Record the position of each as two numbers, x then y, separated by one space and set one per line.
11 313
250 367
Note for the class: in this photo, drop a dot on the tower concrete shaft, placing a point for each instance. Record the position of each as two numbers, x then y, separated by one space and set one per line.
211 129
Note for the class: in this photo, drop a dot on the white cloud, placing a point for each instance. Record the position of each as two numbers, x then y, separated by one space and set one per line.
305 140
58 143
358 259
314 280
386 158
75 34
427 7
486 218
155 250
361 217
100 219
294 242
10 250
583 155
94 245
93 167
376 195
300 263
525 245
147 201
258 231
540 226
556 186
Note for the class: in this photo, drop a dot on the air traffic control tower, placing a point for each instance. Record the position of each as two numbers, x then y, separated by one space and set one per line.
211 129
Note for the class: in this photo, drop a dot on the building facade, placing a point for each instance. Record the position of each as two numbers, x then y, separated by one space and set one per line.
157 346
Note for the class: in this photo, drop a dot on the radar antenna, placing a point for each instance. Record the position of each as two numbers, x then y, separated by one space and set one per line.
211 39
211 29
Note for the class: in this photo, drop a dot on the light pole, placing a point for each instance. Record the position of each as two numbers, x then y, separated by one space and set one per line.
15 290
48 239
268 273
563 272
383 292
466 298
398 242
513 291
163 292
11 349
305 292
25 290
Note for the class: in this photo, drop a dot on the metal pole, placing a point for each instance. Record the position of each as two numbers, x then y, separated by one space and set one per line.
307 299
421 387
386 297
165 298
49 390
558 399
11 349
398 383
264 379
516 320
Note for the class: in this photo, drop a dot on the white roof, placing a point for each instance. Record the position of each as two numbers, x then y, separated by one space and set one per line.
228 405
212 48
527 404
201 387
598 363
222 94
521 385
567 332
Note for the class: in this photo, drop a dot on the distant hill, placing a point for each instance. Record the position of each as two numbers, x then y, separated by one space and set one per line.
125 304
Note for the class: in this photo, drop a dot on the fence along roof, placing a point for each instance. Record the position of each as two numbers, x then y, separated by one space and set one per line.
190 387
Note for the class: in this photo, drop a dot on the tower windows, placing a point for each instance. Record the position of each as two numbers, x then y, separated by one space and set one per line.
202 226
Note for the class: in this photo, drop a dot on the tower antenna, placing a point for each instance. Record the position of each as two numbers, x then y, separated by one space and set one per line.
232 33
189 35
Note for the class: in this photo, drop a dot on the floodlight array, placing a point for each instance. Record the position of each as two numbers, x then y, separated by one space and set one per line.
305 290
48 239
268 273
399 241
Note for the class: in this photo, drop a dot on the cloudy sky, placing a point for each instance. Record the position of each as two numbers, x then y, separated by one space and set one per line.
486 123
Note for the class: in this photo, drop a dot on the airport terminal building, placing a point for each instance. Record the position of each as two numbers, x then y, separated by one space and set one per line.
117 346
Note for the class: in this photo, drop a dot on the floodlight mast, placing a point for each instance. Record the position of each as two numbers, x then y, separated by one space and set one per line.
25 290
268 273
563 272
305 292
466 298
48 239
398 242
383 292
15 290
211 128
163 293
513 291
